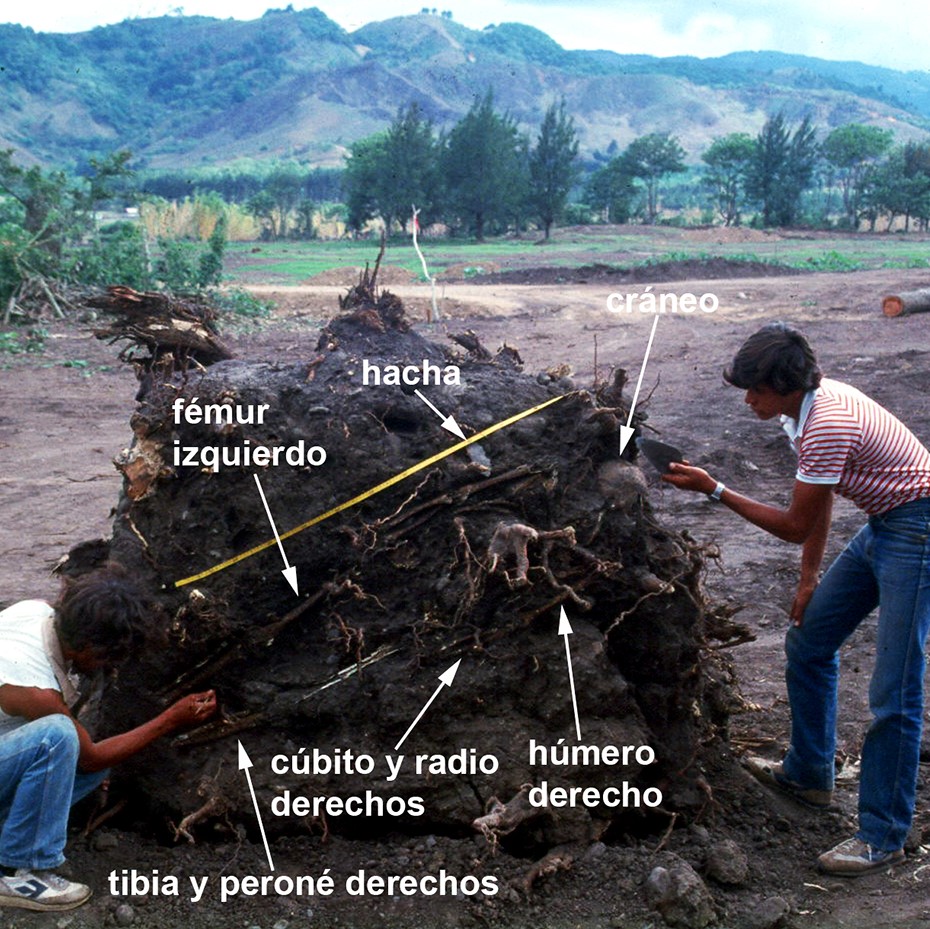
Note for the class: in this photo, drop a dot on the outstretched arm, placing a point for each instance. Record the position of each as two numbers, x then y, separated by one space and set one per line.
809 508
35 702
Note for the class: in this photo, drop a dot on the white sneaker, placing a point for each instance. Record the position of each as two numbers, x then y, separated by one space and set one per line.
854 857
42 890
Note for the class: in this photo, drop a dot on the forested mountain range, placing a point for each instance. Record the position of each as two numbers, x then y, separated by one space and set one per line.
192 90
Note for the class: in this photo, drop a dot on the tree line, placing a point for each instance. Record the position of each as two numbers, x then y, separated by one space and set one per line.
481 177
861 175
484 175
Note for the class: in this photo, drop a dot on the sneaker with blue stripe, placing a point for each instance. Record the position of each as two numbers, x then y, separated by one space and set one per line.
41 890
854 857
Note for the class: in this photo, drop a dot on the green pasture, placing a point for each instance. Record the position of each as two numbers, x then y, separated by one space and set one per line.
293 262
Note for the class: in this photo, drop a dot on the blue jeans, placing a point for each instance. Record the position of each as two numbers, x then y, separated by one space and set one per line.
887 564
39 781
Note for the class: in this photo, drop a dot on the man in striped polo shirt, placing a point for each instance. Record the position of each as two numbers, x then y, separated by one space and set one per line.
850 445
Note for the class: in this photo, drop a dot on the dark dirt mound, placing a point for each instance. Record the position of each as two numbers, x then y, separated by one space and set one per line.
62 422
653 272
470 557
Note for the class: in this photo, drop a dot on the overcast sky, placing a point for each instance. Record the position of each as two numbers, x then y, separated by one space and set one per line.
875 31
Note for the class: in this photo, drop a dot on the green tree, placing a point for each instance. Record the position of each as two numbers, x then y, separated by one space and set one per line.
115 255
274 204
768 167
285 187
917 171
610 191
21 257
902 185
361 179
210 263
44 213
390 172
885 195
854 151
781 170
304 215
650 158
411 173
49 233
50 203
728 159
484 168
263 207
552 166
105 176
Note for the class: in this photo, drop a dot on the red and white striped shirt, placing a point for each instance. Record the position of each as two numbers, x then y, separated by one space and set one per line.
845 438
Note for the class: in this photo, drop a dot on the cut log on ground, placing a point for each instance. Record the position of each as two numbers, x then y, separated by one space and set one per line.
907 302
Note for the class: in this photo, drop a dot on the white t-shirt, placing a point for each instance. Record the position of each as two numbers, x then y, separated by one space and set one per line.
26 635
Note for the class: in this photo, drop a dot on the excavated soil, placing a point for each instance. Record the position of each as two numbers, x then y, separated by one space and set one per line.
64 418
654 272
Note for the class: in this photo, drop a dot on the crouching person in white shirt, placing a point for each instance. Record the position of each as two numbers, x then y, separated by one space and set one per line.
48 760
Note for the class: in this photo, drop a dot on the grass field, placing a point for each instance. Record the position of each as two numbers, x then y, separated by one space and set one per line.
294 262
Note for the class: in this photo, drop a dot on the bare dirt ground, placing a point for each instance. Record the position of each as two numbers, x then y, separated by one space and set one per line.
63 417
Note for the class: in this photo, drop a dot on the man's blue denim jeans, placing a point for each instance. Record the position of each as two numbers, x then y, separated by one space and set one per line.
39 781
887 564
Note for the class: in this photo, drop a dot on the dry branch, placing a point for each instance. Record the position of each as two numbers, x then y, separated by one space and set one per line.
176 331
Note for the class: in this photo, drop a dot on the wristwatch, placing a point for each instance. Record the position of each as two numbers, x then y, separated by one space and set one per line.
717 492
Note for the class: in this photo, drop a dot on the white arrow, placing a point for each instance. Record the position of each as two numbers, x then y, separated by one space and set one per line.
565 628
448 422
244 764
289 573
626 432
446 681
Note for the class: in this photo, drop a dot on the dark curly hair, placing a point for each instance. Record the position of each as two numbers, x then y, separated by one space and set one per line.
104 611
777 356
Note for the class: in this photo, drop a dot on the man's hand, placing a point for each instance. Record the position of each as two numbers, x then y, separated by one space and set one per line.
34 703
188 711
192 710
687 477
801 599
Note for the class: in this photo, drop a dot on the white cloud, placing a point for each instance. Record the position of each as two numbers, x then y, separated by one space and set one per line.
873 31
59 16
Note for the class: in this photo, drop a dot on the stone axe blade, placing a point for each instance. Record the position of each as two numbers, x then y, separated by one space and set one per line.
659 454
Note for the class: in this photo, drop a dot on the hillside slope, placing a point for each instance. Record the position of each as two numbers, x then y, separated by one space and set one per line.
181 90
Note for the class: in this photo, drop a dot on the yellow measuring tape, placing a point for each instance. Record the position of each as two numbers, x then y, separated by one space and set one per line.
384 485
